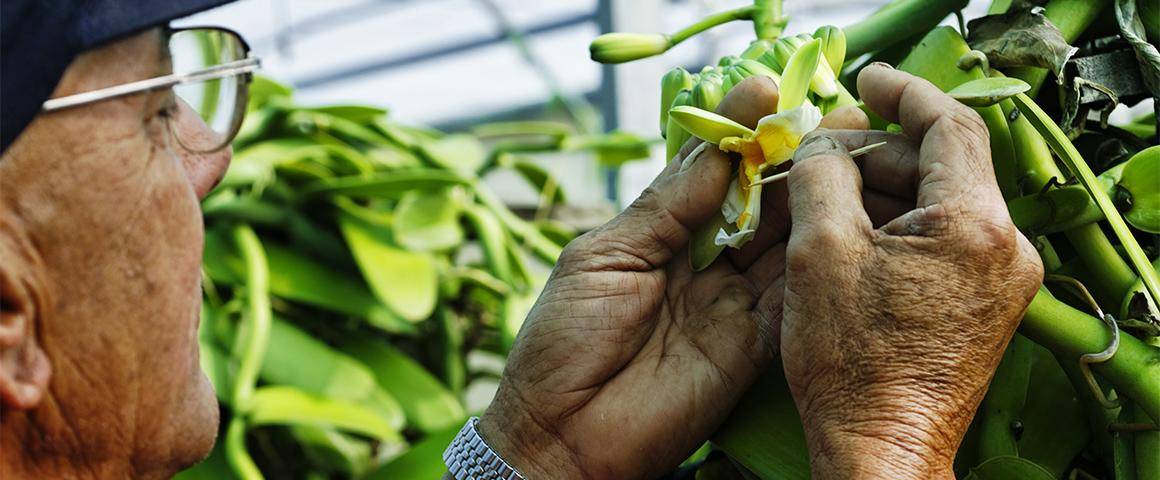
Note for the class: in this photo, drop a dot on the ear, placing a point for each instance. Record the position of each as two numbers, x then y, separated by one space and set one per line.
24 367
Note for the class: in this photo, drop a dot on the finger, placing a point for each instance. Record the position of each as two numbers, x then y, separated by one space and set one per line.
883 208
954 155
767 275
891 168
772 228
846 118
645 235
825 192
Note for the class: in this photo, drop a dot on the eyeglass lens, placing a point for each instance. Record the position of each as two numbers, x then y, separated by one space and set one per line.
218 102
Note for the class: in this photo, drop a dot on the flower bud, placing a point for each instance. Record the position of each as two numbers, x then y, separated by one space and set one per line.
709 91
626 47
755 49
706 125
674 81
833 46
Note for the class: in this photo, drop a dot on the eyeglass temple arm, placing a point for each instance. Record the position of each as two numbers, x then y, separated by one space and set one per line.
237 67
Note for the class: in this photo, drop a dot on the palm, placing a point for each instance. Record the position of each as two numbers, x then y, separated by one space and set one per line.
634 346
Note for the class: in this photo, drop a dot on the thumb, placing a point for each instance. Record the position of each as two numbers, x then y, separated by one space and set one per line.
825 192
658 223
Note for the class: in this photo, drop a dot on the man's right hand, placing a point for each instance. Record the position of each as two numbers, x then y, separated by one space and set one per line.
891 334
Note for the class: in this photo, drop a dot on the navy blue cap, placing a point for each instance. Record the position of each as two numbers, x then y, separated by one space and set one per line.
39 38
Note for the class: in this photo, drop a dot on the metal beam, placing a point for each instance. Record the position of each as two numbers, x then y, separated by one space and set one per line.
376 66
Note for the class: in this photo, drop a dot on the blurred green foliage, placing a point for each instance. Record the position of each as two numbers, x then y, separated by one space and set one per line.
391 265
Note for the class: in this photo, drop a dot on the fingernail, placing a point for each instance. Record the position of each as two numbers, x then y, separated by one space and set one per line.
691 158
818 144
882 64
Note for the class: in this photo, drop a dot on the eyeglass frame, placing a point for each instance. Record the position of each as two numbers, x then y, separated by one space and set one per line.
243 68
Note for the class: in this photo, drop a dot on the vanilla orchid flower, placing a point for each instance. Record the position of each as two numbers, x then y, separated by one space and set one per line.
773 143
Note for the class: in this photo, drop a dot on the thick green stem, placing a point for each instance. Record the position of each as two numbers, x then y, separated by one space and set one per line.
1067 152
1147 443
236 453
1072 17
256 329
1112 275
1134 370
1005 399
768 19
895 23
743 13
252 346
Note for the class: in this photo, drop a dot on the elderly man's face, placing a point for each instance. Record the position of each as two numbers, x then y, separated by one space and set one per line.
101 241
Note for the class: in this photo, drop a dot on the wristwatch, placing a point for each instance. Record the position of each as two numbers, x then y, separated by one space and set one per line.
469 458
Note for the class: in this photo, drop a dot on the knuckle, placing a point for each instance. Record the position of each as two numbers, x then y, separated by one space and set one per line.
819 240
968 122
578 249
993 238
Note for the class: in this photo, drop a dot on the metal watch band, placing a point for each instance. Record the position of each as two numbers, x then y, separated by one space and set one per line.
469 458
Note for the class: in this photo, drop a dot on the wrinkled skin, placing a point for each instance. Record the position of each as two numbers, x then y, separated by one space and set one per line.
100 240
891 334
894 316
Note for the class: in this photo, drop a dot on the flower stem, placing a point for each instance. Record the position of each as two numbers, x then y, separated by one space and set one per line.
1069 333
768 19
741 13
1062 147
1036 167
896 22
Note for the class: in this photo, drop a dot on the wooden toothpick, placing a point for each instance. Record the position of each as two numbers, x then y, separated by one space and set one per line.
858 152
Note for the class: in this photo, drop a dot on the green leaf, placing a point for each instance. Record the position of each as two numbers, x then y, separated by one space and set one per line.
491 235
557 231
764 433
263 90
393 185
935 58
1141 179
533 127
1009 468
405 281
280 405
1063 148
461 153
1055 430
428 220
333 451
1020 38
299 278
985 92
703 248
515 311
423 460
299 360
539 177
354 113
611 149
256 163
428 405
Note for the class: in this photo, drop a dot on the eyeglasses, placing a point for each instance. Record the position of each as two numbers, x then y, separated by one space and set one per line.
212 70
